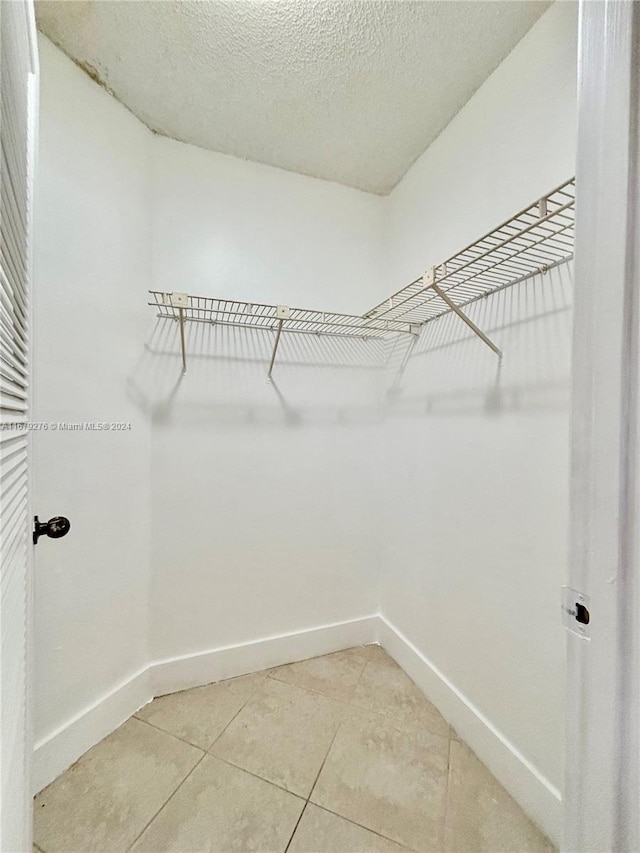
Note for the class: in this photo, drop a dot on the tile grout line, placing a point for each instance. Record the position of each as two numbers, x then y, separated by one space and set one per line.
188 742
388 717
313 787
244 705
324 760
333 739
306 800
355 823
255 776
295 828
309 690
346 702
170 797
164 731
273 677
362 826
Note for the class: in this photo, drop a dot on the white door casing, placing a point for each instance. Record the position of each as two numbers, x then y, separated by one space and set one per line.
18 118
601 807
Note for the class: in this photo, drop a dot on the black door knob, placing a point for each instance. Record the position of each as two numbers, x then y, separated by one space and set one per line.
54 528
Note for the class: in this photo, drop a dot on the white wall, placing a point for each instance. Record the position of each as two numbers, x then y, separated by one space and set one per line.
233 228
512 141
91 277
263 493
477 491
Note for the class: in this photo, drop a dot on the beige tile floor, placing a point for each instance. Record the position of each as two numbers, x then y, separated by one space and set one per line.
337 754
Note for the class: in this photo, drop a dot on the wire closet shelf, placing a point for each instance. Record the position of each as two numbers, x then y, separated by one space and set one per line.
533 241
255 315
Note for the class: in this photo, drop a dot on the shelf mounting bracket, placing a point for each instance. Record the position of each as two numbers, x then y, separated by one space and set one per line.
283 313
429 280
180 301
182 346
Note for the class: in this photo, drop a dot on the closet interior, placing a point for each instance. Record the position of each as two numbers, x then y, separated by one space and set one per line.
313 573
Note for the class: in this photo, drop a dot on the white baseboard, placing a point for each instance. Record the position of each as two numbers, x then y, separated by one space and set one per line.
57 751
527 785
186 671
60 749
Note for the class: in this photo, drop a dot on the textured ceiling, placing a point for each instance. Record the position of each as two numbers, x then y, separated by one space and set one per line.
350 91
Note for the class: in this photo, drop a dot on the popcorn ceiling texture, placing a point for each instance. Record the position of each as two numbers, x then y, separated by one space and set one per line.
346 91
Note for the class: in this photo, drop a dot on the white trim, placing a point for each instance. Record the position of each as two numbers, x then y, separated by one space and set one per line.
537 796
34 111
58 750
602 753
180 673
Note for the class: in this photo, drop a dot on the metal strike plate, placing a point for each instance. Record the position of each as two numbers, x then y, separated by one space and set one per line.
179 300
576 616
283 312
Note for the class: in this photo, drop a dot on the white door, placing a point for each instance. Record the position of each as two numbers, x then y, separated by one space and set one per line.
18 83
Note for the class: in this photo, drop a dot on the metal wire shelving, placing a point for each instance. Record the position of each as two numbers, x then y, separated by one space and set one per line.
278 318
534 240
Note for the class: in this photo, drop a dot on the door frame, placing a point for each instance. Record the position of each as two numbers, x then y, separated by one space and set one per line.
601 807
16 824
33 140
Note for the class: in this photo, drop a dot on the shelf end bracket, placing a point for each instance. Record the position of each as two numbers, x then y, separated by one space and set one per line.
282 313
430 280
181 302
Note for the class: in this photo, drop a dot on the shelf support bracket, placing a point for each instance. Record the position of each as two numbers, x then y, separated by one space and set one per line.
275 348
179 301
283 312
430 281
182 346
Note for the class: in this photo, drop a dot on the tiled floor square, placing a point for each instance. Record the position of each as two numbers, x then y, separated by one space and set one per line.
201 714
481 816
384 687
283 735
390 780
334 675
106 799
221 808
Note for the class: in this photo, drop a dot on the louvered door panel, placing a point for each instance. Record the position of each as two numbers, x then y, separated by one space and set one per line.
15 198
